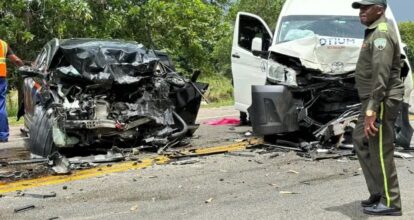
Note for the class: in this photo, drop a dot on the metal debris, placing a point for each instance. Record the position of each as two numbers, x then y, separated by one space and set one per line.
40 196
403 155
110 156
24 208
241 154
61 164
185 162
32 161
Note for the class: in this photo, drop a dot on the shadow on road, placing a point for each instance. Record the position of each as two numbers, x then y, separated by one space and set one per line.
353 210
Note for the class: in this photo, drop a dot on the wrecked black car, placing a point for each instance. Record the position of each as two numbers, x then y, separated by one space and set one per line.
86 92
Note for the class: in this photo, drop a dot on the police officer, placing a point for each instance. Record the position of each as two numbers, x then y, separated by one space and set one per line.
5 52
380 90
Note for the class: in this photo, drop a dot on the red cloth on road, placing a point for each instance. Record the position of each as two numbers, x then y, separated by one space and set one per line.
223 121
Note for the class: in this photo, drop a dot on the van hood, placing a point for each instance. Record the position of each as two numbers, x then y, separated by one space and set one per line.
330 55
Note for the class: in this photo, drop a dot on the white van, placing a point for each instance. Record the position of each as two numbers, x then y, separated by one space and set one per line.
301 78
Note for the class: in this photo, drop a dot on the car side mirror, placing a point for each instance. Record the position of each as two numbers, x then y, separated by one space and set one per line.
28 71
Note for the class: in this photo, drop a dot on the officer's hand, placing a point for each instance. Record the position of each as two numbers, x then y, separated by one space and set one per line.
369 126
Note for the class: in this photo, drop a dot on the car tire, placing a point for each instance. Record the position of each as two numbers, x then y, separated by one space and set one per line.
40 132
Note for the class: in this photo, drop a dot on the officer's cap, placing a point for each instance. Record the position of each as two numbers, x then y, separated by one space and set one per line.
358 4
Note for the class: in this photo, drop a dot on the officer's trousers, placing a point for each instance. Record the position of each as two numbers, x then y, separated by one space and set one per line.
4 124
376 154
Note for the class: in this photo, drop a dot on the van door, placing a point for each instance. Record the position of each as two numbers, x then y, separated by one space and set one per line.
248 69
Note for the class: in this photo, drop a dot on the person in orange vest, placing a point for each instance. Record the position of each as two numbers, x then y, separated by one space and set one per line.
5 52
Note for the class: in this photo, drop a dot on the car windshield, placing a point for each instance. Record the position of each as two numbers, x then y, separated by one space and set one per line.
296 27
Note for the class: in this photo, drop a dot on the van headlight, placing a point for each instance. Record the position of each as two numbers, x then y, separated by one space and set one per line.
281 74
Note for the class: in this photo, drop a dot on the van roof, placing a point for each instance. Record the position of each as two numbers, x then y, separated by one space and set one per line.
319 7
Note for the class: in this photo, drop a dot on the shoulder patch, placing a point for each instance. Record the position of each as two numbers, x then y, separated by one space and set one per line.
380 43
383 27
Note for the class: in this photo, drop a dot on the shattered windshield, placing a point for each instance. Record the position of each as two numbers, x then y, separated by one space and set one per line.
297 27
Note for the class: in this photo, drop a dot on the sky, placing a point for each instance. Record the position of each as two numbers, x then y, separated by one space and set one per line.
403 10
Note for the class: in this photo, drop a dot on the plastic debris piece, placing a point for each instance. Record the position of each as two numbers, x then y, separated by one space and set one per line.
288 192
293 171
133 208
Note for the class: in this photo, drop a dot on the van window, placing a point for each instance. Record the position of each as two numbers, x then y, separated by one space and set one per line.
249 28
296 27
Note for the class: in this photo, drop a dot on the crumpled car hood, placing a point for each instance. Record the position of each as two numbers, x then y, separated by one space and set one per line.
107 61
330 55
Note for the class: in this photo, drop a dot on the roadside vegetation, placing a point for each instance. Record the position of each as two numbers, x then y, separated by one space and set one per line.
197 34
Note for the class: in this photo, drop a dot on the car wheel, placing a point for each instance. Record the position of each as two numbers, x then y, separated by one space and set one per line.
40 132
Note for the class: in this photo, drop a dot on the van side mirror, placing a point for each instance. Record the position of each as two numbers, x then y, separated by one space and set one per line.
257 44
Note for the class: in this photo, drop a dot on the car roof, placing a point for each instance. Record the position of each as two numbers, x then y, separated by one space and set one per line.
81 42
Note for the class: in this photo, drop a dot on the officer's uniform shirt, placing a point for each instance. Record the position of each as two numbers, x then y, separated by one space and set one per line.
378 68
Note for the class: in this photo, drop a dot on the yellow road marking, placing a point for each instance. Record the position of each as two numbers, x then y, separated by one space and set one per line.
119 167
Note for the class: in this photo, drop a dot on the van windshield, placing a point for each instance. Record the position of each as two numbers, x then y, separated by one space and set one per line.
295 27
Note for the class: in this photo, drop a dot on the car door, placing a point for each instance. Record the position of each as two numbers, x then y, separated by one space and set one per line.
248 69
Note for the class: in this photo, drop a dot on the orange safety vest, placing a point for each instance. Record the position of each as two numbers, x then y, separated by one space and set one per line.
3 55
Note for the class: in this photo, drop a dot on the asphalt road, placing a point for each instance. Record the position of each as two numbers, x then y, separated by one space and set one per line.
243 185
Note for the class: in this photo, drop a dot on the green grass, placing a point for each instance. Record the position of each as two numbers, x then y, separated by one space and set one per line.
12 121
220 92
12 103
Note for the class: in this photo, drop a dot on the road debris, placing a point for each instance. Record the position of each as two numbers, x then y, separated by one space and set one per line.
32 161
133 208
40 196
60 164
287 192
23 208
185 162
208 200
293 171
223 121
241 154
403 155
248 134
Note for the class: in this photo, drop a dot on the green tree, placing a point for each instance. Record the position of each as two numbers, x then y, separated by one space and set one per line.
407 35
267 9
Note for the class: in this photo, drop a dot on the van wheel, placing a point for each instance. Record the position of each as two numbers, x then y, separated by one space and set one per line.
40 132
403 129
243 119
